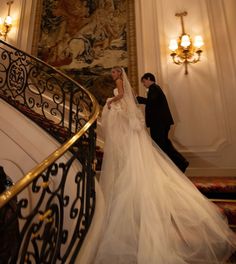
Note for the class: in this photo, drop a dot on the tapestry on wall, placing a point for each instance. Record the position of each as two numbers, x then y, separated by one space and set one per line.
85 39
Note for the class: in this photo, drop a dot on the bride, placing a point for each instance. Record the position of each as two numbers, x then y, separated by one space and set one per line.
153 213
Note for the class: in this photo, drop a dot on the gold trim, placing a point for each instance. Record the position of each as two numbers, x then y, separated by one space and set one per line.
132 47
37 23
223 200
43 217
44 185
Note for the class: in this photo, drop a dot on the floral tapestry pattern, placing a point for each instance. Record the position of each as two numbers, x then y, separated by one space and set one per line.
85 39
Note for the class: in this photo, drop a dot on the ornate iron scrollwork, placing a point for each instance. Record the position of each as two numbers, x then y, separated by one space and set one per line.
56 218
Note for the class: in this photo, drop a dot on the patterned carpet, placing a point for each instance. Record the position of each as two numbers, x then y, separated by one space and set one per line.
216 187
222 191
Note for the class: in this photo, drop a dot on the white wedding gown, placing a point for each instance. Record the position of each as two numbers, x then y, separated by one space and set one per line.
153 213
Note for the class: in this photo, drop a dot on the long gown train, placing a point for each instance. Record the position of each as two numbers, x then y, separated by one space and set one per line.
154 214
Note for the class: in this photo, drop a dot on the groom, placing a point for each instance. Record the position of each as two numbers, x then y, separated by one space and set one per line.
159 119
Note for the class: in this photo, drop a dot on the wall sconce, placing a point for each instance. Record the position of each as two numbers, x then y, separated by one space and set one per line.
6 23
184 50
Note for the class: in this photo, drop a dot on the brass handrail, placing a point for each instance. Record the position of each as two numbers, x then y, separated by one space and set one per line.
12 191
6 196
222 200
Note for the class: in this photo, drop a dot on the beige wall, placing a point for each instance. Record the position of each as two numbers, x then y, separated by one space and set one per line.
202 102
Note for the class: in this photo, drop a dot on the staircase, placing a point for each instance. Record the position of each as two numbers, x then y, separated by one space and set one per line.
54 221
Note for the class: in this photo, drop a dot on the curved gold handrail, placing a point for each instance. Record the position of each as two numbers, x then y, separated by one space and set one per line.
12 191
6 196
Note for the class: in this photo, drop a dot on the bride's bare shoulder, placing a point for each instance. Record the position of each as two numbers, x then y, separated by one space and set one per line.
118 81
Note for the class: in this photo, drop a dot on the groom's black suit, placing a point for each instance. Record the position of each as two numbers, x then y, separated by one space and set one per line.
159 119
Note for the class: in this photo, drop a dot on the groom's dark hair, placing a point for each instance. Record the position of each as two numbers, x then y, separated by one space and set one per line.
149 76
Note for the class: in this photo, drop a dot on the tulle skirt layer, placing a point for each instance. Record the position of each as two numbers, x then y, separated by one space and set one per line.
154 214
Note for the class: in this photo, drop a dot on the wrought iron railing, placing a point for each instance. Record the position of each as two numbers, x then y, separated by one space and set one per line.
56 199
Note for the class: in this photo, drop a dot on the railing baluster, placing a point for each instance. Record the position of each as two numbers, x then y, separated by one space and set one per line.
53 231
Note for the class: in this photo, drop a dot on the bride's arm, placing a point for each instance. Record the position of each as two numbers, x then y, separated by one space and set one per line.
120 88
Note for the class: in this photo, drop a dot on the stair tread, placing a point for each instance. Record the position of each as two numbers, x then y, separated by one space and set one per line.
215 184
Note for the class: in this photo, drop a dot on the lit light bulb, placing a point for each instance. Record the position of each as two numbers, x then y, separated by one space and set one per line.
185 41
8 21
1 21
198 42
173 44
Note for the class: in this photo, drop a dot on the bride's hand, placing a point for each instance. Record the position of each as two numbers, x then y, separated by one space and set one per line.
109 105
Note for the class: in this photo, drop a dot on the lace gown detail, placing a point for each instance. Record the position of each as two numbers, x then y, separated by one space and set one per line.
154 214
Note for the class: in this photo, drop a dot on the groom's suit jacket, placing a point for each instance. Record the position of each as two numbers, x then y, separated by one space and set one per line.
157 112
